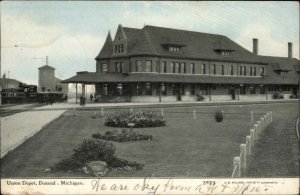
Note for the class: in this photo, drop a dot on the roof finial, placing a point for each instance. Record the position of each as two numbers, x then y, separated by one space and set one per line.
46 60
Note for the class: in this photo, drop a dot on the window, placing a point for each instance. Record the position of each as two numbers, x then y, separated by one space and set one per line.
174 49
262 89
283 73
163 67
241 70
119 67
193 89
231 70
262 71
119 48
182 89
245 72
138 90
252 89
251 71
172 67
192 68
103 67
173 89
254 71
148 89
203 68
226 53
214 71
148 66
105 91
123 67
177 68
242 89
139 66
119 89
222 69
156 67
183 68
163 89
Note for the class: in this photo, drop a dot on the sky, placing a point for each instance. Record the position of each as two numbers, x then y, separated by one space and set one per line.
72 33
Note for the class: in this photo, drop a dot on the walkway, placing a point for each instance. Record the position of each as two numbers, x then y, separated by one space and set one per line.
17 128
71 104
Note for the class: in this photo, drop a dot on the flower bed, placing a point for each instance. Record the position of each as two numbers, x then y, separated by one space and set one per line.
123 136
94 150
140 119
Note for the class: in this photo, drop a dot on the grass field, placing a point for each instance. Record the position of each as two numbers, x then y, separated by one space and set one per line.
184 148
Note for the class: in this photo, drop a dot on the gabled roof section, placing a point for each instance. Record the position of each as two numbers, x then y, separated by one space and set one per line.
120 30
197 45
107 48
281 63
153 40
143 45
46 67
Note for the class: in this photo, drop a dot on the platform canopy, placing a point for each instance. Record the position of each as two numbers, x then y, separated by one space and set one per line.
94 78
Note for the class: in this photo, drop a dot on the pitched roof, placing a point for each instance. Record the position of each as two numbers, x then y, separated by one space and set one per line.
46 67
151 40
107 48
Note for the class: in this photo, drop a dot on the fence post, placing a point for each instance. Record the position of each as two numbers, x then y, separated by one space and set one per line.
252 120
194 114
252 136
271 116
131 109
256 130
248 140
268 117
262 123
162 112
243 157
266 120
236 163
102 112
259 126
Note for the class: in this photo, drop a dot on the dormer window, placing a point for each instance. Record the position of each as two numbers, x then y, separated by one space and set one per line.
284 73
174 49
119 48
226 53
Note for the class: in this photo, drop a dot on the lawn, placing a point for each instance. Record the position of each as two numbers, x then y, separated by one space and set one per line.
186 147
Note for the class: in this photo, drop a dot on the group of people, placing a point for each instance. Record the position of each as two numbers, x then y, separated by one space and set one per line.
92 99
95 98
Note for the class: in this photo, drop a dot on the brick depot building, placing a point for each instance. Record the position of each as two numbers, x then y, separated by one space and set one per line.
156 64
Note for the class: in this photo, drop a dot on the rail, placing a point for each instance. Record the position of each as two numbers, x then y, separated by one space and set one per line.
297 127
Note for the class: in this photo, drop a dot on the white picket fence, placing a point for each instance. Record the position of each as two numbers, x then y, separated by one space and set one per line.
240 162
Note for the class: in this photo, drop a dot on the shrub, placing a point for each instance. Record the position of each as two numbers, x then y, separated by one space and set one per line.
141 119
120 163
219 116
89 150
94 150
123 136
277 95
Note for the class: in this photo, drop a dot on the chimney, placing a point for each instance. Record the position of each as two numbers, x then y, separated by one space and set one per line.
255 46
290 50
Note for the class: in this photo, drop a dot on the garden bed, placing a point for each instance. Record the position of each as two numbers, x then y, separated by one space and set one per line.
140 119
122 136
95 150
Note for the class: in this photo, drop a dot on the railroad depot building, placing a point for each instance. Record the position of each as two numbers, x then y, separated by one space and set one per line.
156 64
